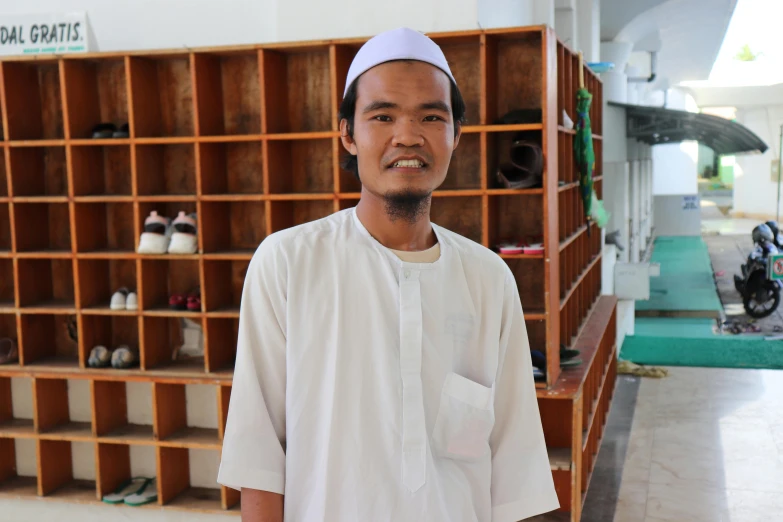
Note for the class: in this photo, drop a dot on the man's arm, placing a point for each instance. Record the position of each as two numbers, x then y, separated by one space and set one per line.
261 506
253 458
522 484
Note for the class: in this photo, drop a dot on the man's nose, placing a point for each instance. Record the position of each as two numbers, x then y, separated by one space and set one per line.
408 133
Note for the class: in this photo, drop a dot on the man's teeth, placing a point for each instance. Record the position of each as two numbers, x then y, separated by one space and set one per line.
409 164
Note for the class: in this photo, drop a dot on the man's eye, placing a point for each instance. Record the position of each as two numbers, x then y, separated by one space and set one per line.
433 118
382 117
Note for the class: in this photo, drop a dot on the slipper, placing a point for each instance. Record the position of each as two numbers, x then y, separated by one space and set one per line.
539 359
510 248
122 132
131 486
103 131
100 357
119 299
566 354
184 238
156 236
570 363
147 494
8 351
124 357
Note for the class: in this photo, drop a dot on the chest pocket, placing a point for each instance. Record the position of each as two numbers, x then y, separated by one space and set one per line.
465 419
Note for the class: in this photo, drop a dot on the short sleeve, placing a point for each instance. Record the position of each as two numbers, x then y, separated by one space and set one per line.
522 484
252 454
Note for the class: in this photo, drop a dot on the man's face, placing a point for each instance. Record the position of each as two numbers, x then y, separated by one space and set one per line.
403 133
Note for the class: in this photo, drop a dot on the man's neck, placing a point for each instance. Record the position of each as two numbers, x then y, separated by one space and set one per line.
397 234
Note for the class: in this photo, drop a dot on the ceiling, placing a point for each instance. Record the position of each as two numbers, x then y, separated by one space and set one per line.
689 32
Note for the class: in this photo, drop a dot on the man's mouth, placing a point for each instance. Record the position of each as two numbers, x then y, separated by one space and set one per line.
408 164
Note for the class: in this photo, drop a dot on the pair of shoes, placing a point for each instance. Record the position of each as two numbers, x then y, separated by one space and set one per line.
190 302
124 299
9 352
123 357
162 235
136 491
107 130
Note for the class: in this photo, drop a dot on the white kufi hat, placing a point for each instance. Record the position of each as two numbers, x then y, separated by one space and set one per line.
397 44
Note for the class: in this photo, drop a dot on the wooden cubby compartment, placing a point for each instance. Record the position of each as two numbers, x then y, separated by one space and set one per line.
161 96
100 278
67 470
101 170
111 331
33 100
186 416
458 214
96 92
46 283
46 341
16 407
221 343
223 284
123 412
232 168
8 328
5 228
465 166
463 53
287 214
119 462
18 464
161 278
300 166
42 227
166 169
104 228
297 90
228 89
163 334
62 409
7 298
38 171
232 226
515 73
499 153
3 175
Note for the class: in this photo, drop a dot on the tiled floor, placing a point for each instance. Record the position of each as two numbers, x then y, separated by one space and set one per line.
706 445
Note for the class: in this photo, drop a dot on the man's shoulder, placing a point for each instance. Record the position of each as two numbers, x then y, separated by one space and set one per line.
290 240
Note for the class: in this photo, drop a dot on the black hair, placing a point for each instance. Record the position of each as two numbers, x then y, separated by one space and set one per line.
347 110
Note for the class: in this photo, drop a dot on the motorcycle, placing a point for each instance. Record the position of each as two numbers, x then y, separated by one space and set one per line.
760 295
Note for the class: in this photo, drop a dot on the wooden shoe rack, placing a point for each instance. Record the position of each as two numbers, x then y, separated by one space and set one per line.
247 137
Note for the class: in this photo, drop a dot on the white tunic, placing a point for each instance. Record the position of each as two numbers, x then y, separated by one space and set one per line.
367 388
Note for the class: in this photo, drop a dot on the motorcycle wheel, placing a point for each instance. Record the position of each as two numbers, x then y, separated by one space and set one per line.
759 310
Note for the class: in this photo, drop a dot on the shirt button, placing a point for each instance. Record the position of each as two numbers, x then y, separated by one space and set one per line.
407 274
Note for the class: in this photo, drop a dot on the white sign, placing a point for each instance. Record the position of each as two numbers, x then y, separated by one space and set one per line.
56 33
632 281
690 202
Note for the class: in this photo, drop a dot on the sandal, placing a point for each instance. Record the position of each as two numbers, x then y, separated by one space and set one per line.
103 131
194 301
178 302
119 299
9 352
130 487
122 132
124 357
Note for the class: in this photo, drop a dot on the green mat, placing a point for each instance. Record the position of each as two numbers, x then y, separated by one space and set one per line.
670 341
686 282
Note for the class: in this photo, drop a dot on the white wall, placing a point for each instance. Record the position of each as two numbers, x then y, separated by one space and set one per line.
755 194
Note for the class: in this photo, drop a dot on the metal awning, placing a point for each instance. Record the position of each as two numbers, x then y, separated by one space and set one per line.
656 125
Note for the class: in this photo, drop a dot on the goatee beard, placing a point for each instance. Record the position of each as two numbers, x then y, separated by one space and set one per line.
407 205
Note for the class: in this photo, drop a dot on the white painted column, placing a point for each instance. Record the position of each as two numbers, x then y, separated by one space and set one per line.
588 29
565 22
616 81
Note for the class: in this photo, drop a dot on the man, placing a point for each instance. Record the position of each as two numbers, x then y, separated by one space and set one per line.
383 369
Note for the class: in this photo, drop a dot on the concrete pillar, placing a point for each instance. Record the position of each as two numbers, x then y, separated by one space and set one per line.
565 23
588 29
616 81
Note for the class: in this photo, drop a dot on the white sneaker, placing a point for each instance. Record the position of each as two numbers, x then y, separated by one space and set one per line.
156 236
132 301
184 238
119 299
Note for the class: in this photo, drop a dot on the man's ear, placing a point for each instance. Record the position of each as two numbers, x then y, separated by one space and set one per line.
457 136
348 142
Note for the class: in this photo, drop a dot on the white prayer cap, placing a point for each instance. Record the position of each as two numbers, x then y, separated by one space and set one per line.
397 44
